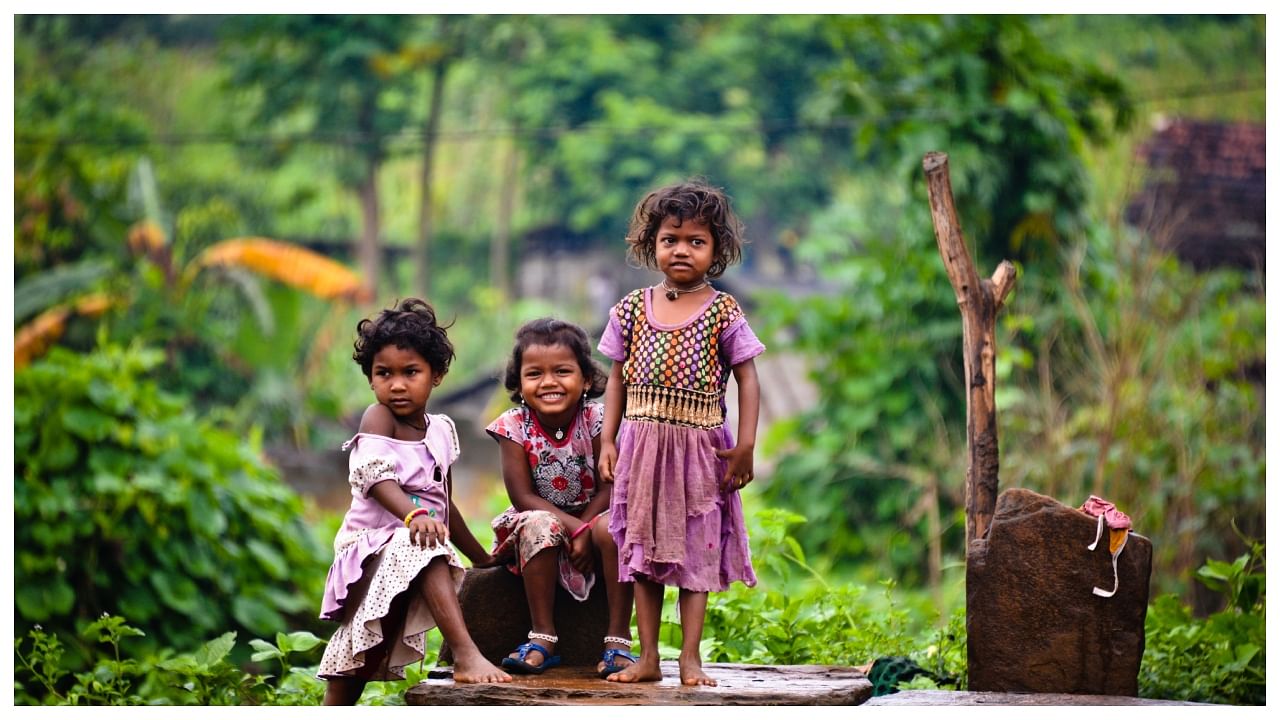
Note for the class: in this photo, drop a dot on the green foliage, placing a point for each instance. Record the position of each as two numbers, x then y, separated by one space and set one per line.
127 502
203 677
885 353
1011 111
1218 659
68 194
795 616
1130 377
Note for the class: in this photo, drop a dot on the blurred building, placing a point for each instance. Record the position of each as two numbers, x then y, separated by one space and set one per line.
1205 193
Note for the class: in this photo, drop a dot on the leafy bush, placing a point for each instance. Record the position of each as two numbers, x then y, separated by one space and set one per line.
127 502
795 616
203 677
1221 658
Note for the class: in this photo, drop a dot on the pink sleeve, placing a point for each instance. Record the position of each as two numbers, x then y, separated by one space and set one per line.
508 425
611 343
594 417
372 461
739 343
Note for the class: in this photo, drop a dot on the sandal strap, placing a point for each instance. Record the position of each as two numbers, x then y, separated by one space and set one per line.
529 647
613 653
544 637
618 640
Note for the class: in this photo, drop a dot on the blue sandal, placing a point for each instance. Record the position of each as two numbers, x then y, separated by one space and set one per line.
519 666
611 666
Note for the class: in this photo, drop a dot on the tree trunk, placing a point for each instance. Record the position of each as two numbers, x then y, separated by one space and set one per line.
500 251
979 301
426 220
370 248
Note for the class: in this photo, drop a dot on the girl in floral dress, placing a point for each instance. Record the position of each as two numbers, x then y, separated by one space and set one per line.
552 533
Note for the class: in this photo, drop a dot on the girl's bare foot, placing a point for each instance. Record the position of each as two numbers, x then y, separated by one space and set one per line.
644 670
473 668
691 672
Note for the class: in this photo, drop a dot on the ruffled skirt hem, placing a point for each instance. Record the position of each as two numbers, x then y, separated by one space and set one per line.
388 573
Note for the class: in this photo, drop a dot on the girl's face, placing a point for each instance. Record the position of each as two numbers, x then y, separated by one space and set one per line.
403 380
684 251
551 382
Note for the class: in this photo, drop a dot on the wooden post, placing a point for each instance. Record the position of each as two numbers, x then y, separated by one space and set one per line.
979 301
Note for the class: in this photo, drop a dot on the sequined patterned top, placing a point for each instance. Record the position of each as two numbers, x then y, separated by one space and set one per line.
677 373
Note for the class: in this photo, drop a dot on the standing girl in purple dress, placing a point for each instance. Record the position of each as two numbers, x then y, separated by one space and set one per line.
676 515
394 575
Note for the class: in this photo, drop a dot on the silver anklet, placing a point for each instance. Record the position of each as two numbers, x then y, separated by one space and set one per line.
553 639
618 640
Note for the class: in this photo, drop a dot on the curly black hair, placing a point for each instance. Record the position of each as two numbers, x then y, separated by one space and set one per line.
549 331
692 199
410 324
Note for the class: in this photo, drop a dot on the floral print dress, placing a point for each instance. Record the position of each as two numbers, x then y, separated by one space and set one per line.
563 473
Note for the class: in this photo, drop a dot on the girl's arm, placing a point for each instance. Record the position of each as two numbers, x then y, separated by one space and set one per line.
741 456
615 401
580 553
462 536
519 482
425 531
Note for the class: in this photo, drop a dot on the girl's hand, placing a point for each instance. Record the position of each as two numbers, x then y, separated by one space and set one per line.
608 458
484 561
580 554
427 532
741 468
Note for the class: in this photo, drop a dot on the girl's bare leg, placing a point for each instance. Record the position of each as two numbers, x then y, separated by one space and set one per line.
648 617
621 596
347 690
539 575
693 611
469 665
344 691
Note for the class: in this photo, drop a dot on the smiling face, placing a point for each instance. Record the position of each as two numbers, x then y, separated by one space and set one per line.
551 383
403 380
684 250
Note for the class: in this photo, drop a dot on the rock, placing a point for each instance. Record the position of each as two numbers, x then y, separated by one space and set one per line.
948 698
738 685
1034 623
497 615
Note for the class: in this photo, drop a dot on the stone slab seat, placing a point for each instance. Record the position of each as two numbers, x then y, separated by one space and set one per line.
738 685
497 615
1034 624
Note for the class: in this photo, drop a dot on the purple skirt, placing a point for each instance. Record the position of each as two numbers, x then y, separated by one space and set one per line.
668 516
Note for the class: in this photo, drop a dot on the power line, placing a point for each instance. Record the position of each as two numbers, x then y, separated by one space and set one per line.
408 141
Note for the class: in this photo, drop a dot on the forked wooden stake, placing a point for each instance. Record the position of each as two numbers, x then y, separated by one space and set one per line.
979 301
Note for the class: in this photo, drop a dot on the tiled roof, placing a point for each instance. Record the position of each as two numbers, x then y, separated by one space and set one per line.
1205 196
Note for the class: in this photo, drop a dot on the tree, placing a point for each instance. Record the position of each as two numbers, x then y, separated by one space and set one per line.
336 76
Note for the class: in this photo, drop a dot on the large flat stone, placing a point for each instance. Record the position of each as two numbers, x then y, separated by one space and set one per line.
945 698
739 685
497 616
1034 623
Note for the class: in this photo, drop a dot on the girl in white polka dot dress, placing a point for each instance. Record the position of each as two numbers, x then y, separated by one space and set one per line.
394 575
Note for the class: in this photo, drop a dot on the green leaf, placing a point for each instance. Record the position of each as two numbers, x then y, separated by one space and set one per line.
265 650
212 652
301 641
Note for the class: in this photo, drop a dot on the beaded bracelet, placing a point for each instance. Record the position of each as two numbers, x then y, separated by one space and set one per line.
413 514
583 527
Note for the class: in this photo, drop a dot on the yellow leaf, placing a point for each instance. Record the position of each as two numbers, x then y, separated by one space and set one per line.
292 265
33 339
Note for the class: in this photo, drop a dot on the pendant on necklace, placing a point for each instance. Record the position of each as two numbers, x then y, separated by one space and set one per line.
559 434
672 294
